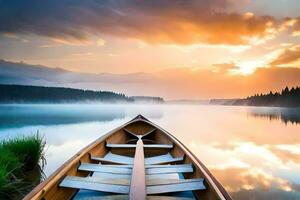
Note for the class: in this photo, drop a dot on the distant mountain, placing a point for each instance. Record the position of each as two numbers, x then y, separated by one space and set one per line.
20 73
286 98
38 94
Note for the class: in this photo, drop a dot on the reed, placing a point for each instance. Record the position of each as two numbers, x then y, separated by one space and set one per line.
18 157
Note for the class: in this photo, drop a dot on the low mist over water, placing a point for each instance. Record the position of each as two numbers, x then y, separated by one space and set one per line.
253 151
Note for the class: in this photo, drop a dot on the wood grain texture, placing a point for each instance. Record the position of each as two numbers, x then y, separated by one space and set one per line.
138 182
92 184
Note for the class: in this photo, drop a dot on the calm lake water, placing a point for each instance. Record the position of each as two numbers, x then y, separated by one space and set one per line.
254 152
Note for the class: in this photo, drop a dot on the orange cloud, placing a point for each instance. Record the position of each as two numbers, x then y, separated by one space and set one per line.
173 26
296 31
176 21
224 67
288 56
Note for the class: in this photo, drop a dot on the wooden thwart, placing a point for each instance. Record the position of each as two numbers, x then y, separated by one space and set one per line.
112 176
101 180
158 146
162 176
146 166
116 166
168 198
159 181
126 160
187 185
165 170
92 184
109 145
126 197
121 186
104 169
114 159
104 197
162 159
167 166
111 161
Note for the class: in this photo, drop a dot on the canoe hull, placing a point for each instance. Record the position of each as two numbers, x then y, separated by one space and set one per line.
152 134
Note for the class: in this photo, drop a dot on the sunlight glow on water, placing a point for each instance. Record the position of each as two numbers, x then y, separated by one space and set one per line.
254 152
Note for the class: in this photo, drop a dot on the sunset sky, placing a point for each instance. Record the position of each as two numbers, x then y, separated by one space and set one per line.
177 49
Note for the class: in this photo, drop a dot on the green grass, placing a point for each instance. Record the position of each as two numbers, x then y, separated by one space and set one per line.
28 150
19 156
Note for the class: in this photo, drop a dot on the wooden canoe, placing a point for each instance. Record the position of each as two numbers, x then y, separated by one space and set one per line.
138 160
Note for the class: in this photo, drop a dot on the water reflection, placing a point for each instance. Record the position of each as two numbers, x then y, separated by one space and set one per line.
250 171
12 116
253 157
256 184
286 115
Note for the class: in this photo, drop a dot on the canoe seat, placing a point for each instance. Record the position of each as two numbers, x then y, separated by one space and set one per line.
152 182
179 185
162 176
162 159
168 198
167 166
126 160
158 146
91 183
104 168
121 186
114 159
112 176
146 166
167 170
89 196
110 145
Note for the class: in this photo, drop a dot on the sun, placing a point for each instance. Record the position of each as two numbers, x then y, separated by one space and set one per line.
248 67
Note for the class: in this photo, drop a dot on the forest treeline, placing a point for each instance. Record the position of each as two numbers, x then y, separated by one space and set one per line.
288 97
39 94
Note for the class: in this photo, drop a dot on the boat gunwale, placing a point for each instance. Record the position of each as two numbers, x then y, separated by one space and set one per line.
58 174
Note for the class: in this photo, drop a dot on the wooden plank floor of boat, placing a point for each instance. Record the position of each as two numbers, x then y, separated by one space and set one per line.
138 177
